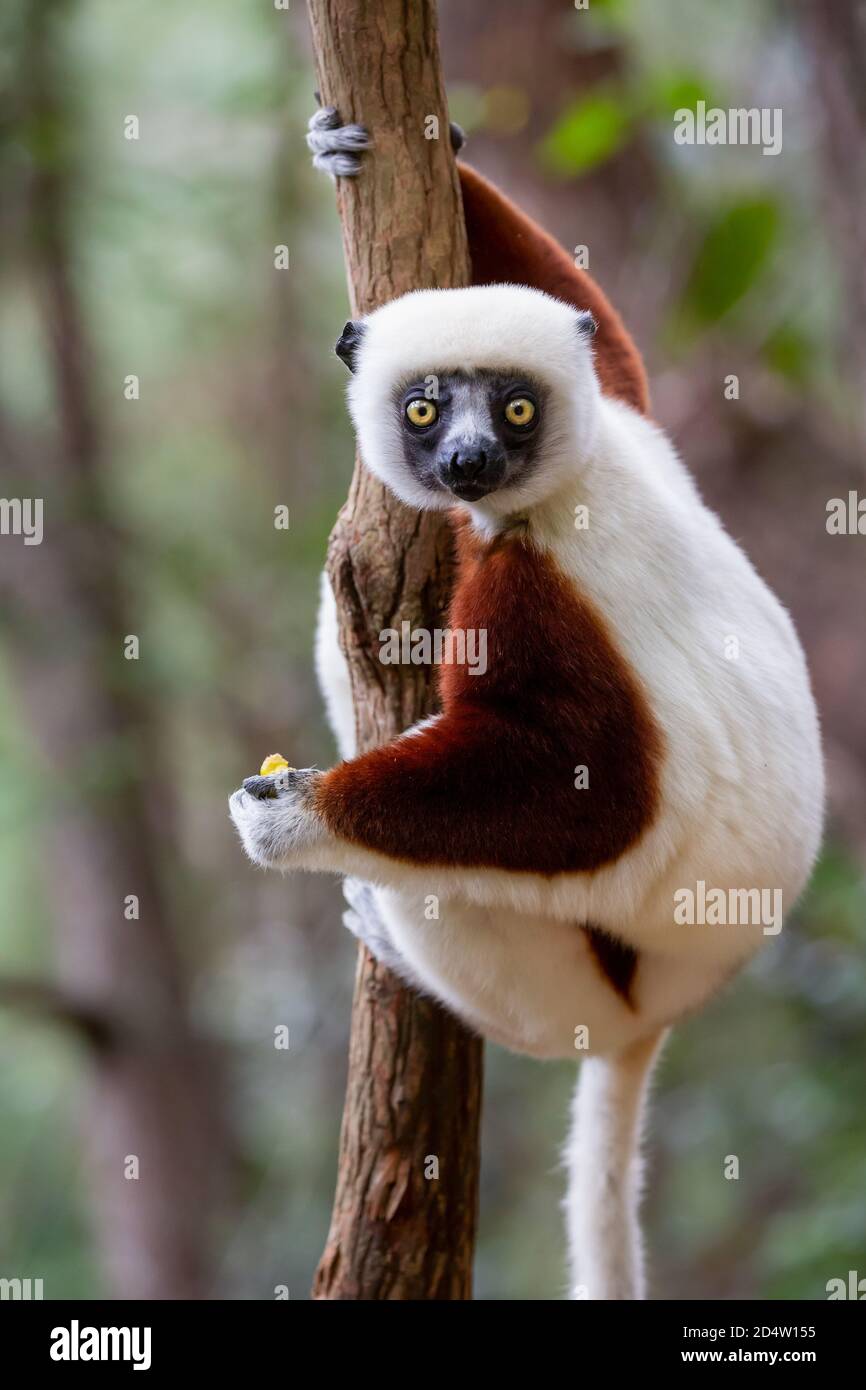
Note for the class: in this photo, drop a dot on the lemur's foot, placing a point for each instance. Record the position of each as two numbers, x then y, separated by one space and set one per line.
275 816
364 920
337 148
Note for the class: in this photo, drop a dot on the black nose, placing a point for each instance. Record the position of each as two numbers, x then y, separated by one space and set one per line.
468 465
475 466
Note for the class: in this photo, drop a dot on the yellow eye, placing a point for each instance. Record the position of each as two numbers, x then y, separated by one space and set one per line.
421 413
519 411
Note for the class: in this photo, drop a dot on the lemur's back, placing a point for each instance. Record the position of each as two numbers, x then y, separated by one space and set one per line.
718 657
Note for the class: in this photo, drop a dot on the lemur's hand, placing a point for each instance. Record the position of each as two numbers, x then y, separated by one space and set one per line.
275 817
337 148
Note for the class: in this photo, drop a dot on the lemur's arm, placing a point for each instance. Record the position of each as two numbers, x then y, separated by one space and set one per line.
507 247
489 782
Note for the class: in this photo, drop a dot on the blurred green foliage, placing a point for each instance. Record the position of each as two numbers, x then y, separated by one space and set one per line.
589 132
731 256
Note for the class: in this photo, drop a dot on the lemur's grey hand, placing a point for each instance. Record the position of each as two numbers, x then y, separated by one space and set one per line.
364 920
337 148
275 817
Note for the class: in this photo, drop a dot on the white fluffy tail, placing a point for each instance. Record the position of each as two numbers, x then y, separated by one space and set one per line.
604 1173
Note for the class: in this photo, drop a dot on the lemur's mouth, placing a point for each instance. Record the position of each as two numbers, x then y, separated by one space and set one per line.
472 492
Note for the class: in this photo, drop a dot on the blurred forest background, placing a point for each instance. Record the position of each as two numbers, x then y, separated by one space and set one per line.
155 257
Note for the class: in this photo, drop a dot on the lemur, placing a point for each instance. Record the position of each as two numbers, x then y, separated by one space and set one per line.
644 726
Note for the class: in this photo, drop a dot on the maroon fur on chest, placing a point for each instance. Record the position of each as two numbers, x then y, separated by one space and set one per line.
491 783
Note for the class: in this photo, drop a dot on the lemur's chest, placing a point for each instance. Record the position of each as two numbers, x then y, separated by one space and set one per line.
577 749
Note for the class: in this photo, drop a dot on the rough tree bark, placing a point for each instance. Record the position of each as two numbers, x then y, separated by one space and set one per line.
414 1086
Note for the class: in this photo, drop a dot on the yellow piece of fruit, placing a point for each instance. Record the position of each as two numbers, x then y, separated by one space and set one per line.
274 762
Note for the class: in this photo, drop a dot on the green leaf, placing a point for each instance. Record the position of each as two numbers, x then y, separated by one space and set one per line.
669 92
585 135
735 252
790 353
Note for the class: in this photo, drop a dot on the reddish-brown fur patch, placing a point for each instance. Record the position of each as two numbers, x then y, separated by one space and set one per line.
507 247
616 961
491 783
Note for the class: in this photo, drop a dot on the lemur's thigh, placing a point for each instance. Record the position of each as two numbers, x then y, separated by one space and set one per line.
672 986
532 984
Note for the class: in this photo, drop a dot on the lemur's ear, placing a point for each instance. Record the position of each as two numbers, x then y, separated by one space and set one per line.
586 325
349 342
458 136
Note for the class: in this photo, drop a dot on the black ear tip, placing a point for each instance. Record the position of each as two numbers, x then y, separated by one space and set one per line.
458 136
349 342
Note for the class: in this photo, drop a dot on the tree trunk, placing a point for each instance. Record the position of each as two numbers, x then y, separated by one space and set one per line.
404 1216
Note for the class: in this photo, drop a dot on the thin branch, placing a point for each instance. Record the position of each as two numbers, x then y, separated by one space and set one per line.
46 1000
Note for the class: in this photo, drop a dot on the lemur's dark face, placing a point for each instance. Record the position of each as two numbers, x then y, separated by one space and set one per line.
470 433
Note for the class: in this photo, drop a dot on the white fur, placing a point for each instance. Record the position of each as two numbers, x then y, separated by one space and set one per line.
333 672
505 327
605 1174
742 779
